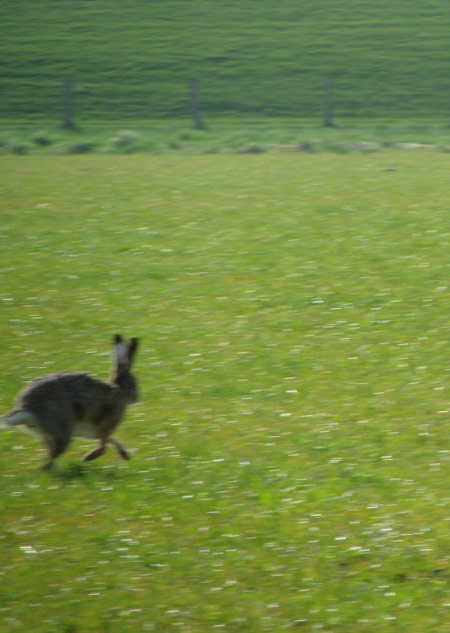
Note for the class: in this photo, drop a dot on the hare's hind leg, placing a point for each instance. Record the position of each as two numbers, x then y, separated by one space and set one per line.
120 448
96 452
56 445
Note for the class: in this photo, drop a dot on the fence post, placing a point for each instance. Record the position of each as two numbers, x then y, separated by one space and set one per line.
194 104
68 95
328 102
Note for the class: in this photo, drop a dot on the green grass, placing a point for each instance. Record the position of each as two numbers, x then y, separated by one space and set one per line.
135 58
222 135
291 451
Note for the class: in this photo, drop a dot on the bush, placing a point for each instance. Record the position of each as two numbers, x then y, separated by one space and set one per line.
42 140
20 149
81 148
126 140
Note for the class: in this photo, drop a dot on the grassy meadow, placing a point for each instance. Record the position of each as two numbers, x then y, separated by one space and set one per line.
134 59
222 135
291 450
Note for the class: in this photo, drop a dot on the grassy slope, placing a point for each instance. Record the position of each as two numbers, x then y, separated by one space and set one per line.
223 135
136 57
291 452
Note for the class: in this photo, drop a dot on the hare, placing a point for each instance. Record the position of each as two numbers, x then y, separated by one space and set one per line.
58 406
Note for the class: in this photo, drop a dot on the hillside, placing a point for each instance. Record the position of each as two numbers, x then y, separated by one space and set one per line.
134 57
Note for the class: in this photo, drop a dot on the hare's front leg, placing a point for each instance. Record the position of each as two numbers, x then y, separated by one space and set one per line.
120 448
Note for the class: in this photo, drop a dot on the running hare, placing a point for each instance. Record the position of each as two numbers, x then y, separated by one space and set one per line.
65 404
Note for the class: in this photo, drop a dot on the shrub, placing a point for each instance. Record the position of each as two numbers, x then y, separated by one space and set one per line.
81 148
20 149
251 149
42 139
126 140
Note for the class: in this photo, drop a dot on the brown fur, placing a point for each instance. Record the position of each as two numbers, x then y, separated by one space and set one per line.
65 404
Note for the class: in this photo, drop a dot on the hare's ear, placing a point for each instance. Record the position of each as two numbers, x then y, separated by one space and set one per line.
132 347
120 351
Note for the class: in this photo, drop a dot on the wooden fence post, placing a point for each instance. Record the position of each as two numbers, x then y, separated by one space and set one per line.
68 95
328 102
194 104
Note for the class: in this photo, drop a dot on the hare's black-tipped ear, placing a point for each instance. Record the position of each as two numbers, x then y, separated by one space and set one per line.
132 347
120 350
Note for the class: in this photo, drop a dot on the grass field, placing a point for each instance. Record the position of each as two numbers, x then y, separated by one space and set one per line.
222 135
291 451
134 59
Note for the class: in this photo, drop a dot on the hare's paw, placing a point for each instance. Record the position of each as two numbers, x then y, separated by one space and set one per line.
94 454
120 448
125 454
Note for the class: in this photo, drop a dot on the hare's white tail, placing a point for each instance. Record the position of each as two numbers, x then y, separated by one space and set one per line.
17 417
